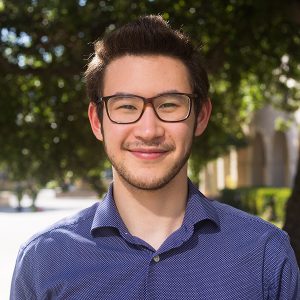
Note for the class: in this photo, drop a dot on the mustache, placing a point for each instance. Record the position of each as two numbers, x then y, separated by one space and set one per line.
148 144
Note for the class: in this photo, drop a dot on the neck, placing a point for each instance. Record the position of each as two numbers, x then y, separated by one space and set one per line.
152 215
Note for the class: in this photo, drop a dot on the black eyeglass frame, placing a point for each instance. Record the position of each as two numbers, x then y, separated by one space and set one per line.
105 99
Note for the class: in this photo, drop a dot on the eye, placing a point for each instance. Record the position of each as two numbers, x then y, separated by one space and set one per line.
168 105
125 104
126 107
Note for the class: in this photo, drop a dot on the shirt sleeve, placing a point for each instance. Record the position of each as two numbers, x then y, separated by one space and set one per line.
22 285
281 271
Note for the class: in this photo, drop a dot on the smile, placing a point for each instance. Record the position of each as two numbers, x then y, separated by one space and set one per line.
149 154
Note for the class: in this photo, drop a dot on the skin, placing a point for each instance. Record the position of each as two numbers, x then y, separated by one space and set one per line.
149 157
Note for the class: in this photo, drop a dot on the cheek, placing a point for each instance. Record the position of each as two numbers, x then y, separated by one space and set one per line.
183 135
114 134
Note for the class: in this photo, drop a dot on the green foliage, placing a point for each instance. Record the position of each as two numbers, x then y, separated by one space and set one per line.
267 202
44 131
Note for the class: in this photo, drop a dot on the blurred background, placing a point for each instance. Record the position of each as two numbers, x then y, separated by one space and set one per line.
248 156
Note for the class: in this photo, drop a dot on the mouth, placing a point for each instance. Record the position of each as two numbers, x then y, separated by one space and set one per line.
148 153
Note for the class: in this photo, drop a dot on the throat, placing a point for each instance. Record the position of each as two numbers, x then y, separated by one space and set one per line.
156 232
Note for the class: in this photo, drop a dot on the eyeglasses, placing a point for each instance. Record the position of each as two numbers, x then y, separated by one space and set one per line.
168 107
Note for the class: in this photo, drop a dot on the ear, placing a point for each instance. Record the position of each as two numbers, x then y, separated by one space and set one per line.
203 117
94 121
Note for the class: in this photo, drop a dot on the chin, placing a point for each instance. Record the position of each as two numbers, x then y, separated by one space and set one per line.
147 184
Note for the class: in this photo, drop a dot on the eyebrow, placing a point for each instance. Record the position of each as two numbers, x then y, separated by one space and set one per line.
161 93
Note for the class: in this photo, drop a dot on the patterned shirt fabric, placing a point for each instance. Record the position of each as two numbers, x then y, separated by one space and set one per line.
219 253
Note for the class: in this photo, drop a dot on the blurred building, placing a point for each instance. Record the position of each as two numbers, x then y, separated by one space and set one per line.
270 159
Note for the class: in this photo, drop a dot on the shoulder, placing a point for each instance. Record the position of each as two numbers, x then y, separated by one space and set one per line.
233 217
247 229
50 250
234 223
243 229
269 246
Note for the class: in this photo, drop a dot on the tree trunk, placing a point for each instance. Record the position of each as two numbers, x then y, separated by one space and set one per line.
292 219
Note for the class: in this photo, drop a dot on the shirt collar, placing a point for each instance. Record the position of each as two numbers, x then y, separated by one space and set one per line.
107 214
198 209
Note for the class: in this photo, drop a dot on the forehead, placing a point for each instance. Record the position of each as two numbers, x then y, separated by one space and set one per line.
146 75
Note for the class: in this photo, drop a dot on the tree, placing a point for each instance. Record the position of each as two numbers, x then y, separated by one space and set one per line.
251 49
43 96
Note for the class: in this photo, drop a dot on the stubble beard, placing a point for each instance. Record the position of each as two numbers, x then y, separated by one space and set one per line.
153 184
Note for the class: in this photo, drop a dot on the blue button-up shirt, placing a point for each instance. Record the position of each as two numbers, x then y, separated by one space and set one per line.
218 253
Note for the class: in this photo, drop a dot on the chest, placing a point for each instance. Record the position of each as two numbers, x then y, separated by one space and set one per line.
196 270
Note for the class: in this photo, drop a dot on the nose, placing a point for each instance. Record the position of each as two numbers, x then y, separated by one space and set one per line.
149 127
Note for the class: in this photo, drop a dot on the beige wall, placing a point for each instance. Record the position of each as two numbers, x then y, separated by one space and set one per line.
270 159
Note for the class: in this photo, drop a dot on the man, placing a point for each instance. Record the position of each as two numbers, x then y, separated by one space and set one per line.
154 236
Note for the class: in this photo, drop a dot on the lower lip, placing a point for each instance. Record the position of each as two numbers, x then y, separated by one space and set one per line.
148 155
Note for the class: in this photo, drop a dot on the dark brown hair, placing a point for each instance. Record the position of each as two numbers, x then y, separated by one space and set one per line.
148 35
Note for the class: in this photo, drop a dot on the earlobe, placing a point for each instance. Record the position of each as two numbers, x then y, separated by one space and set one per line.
94 121
203 117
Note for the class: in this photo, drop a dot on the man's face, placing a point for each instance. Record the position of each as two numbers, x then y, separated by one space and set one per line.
147 154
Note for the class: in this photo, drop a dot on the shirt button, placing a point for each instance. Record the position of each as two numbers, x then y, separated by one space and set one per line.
156 258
